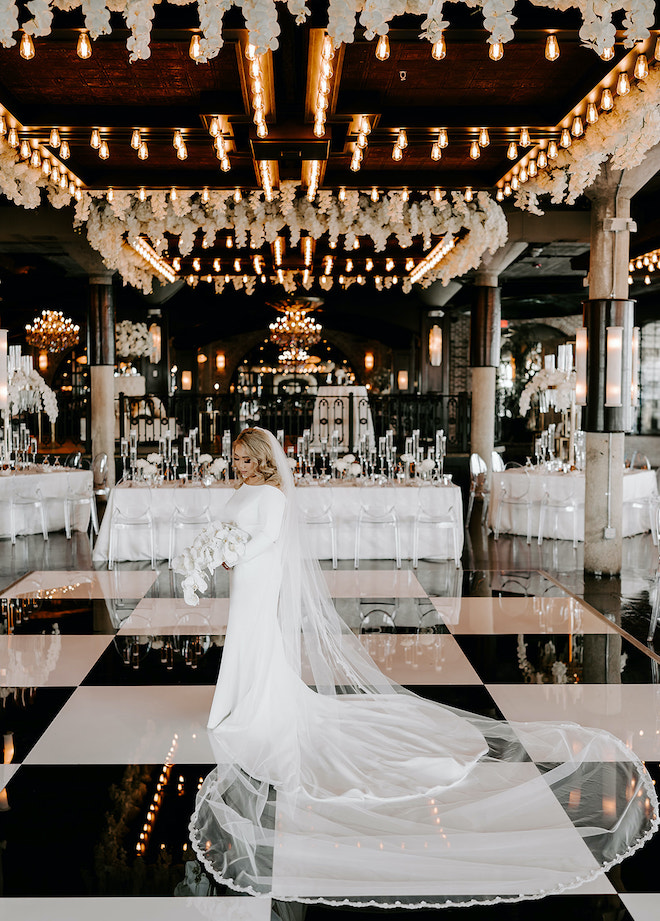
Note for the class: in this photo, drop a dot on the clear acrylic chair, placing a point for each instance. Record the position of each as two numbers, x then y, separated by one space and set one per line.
436 510
563 503
316 507
514 494
100 472
25 504
78 495
478 486
191 514
379 513
74 459
138 519
497 462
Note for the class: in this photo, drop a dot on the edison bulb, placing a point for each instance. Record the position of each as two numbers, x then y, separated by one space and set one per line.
606 100
383 48
551 48
439 49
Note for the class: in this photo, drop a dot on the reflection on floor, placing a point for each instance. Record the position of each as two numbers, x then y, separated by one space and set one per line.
106 680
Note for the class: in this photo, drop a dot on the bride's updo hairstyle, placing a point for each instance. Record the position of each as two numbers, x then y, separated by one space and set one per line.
256 443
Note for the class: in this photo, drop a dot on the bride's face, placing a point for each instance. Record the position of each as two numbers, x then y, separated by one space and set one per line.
244 465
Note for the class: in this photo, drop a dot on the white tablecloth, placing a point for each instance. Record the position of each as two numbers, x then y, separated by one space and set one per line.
638 487
53 483
377 541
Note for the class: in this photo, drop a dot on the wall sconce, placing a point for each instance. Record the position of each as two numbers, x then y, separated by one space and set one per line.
201 358
4 374
186 380
581 366
368 361
43 360
156 343
435 346
402 380
219 361
614 366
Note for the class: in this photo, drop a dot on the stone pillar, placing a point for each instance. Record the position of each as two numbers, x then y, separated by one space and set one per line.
484 359
101 354
608 305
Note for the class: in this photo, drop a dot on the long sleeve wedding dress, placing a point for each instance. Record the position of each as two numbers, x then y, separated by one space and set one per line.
334 784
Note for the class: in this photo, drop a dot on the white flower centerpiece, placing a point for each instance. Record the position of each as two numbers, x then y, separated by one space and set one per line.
552 388
216 545
28 392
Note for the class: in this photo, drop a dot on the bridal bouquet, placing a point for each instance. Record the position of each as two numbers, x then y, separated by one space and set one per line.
215 545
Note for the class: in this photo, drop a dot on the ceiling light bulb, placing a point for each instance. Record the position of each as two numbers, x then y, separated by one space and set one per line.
355 164
64 182
26 47
623 84
383 48
469 195
592 114
45 167
55 174
262 130
484 138
361 141
110 194
443 138
319 128
177 141
512 151
523 171
656 53
143 151
515 183
237 196
195 49
532 169
553 153
342 194
196 264
251 52
225 165
173 194
402 139
374 194
72 188
35 159
54 140
95 139
65 152
436 153
565 140
26 150
641 67
577 129
607 54
475 151
439 49
104 150
136 139
496 51
84 47
365 127
12 138
551 48
3 125
397 153
405 195
142 194
214 127
368 265
606 101
507 189
182 152
205 195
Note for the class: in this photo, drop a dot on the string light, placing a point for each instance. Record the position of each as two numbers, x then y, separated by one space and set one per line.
349 265
55 176
196 264
142 194
475 150
607 53
592 114
173 194
405 195
84 47
436 152
606 100
26 47
439 49
507 189
26 150
323 90
383 48
46 166
368 265
499 195
565 140
266 179
94 140
623 84
577 129
205 195
342 194
35 159
143 152
553 153
484 138
432 259
468 194
12 138
402 139
515 183
551 48
374 194
524 139
496 51
443 138
104 150
512 151
225 164
641 67
195 48
315 172
3 125
533 167
256 87
109 194
54 140
182 152
136 139
397 152
237 195
150 255
523 171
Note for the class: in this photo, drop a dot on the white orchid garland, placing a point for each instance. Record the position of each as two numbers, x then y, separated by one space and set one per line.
375 16
478 226
622 136
132 340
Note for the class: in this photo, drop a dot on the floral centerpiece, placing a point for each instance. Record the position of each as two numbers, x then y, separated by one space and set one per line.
29 392
347 465
214 546
132 340
557 386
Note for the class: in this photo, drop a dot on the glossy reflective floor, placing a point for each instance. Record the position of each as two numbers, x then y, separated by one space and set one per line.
106 680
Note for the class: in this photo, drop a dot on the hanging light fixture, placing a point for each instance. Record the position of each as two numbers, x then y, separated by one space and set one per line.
104 150
577 129
94 139
606 101
295 331
641 67
607 54
65 151
468 194
194 49
623 84
436 152
136 139
524 140
475 150
26 47
592 114
383 48
512 151
439 48
565 140
52 332
84 47
553 153
54 139
435 346
484 137
143 152
496 51
551 48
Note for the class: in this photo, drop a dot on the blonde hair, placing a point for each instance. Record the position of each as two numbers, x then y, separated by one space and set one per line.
256 443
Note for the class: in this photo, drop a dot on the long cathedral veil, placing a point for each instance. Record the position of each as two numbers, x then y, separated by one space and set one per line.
364 793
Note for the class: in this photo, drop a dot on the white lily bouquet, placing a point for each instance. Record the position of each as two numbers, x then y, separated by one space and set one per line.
215 545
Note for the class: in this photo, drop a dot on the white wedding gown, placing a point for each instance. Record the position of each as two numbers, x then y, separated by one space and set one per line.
356 791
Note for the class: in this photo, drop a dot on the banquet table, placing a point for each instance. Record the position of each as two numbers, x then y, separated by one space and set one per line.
344 501
639 489
53 483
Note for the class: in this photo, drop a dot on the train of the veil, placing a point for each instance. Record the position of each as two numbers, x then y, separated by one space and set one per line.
349 789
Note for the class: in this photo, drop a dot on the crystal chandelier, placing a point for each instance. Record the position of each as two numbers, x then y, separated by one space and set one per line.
295 331
52 331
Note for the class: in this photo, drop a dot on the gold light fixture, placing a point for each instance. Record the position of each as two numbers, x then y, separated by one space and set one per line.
52 331
295 331
143 151
26 150
435 346
136 139
104 150
641 67
194 49
65 151
607 54
469 195
54 139
606 100
553 153
436 152
565 139
484 137
94 139
592 114
577 128
512 151
524 140
84 47
551 48
12 138
475 150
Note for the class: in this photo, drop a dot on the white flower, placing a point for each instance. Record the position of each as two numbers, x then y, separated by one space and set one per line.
292 462
30 392
155 458
146 468
560 384
205 458
214 546
354 469
339 465
348 458
132 340
427 465
219 465
407 458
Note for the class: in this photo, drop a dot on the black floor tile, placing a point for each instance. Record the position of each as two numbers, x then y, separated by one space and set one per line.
157 660
27 712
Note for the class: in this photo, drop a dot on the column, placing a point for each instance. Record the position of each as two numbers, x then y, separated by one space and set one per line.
101 354
484 360
604 427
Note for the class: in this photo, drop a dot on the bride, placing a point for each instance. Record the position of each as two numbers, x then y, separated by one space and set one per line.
334 784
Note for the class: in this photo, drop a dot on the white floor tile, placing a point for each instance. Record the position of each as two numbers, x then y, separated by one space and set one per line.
128 725
643 906
379 583
216 908
426 658
90 584
174 616
521 615
629 711
48 660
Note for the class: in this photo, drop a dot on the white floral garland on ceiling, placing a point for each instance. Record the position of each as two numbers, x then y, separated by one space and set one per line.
622 136
597 31
479 226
